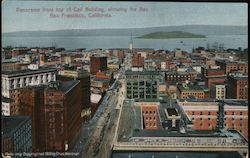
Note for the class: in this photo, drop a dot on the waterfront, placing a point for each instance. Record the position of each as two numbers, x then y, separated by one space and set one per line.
105 42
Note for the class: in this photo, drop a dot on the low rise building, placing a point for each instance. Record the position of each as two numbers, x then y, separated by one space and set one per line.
185 91
218 91
204 115
179 77
150 116
231 66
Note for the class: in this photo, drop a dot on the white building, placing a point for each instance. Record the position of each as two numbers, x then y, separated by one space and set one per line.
6 106
218 91
12 80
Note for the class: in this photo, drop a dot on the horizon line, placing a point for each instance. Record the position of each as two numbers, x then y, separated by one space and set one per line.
124 28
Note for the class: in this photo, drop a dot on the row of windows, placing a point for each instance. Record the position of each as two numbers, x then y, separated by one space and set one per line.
233 119
150 125
150 118
148 112
209 113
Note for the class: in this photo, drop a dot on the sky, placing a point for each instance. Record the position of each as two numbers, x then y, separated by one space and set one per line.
157 14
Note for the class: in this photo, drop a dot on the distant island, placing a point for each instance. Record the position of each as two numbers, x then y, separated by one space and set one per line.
137 32
172 34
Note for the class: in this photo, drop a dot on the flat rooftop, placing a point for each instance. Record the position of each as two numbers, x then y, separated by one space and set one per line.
189 87
28 72
129 72
229 102
11 123
193 133
129 121
63 86
146 154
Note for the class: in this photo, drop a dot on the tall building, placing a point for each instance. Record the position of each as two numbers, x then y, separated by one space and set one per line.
237 86
60 116
142 85
55 110
16 135
98 63
84 78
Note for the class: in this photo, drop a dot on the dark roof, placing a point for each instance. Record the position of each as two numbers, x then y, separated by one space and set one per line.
11 123
166 133
28 72
240 77
172 111
175 154
102 79
129 72
189 87
6 100
193 133
65 87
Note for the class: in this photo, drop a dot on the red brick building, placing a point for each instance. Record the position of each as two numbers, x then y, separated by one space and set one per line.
84 78
19 51
179 76
237 87
56 114
230 66
150 116
185 91
61 116
204 115
98 63
212 75
137 60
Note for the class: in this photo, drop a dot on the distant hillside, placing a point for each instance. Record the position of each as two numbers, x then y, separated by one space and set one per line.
173 34
194 29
